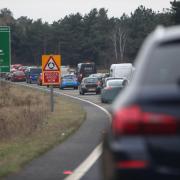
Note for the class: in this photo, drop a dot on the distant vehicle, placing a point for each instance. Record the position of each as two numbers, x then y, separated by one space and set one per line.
18 76
39 80
65 70
69 81
8 75
144 139
32 74
90 85
85 69
16 66
100 77
22 68
124 70
112 88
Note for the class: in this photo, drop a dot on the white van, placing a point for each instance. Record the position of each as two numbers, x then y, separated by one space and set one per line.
124 70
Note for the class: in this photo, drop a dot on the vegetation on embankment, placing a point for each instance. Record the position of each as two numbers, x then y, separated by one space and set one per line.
28 128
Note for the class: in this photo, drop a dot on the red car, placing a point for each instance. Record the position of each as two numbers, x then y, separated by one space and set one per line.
18 76
22 68
39 80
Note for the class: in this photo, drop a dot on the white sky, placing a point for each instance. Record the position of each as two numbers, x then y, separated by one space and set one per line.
53 10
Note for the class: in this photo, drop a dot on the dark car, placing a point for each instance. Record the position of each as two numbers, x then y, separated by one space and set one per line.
144 139
90 85
18 76
32 74
69 81
112 88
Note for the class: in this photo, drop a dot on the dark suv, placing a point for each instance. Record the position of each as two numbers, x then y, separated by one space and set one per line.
144 139
90 84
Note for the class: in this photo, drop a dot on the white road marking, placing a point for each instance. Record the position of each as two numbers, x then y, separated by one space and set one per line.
86 164
81 170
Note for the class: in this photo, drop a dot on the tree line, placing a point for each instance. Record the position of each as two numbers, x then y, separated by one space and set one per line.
92 37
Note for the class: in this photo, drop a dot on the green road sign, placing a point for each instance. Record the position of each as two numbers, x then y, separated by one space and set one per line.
5 49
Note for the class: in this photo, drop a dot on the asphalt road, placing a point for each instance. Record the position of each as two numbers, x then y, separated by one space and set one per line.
69 155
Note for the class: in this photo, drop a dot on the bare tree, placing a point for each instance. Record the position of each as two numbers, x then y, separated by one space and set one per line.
122 43
114 40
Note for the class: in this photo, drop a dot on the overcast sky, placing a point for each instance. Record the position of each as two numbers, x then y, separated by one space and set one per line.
53 10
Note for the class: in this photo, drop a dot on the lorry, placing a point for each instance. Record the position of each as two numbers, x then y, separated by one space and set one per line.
123 70
85 69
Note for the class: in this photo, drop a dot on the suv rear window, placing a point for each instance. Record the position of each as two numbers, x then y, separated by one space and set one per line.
91 80
163 64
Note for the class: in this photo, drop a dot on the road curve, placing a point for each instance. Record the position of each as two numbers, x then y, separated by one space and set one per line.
69 155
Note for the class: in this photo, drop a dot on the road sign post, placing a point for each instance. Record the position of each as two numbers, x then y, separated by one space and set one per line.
52 98
51 73
5 49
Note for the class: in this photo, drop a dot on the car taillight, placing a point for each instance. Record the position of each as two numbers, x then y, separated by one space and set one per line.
132 164
108 88
98 83
132 120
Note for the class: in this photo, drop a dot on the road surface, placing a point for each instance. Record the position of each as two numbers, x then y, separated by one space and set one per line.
66 157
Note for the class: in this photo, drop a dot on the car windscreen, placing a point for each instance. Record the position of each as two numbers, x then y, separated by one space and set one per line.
19 73
115 83
69 77
163 64
91 80
35 71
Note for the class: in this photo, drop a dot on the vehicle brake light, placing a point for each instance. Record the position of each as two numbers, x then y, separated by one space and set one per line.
98 83
132 164
132 120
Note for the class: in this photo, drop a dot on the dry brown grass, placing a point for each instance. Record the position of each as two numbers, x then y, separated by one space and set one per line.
21 111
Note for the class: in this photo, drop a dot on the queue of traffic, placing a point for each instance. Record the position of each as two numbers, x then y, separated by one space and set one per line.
85 78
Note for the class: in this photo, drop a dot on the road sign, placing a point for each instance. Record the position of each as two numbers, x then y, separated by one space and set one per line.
51 65
51 69
5 49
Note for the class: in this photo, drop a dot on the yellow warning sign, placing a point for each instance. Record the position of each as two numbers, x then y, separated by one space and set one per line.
51 69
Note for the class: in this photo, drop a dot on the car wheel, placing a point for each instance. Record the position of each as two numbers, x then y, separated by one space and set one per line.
102 100
82 92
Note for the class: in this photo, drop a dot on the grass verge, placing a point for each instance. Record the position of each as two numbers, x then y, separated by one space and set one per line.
30 129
